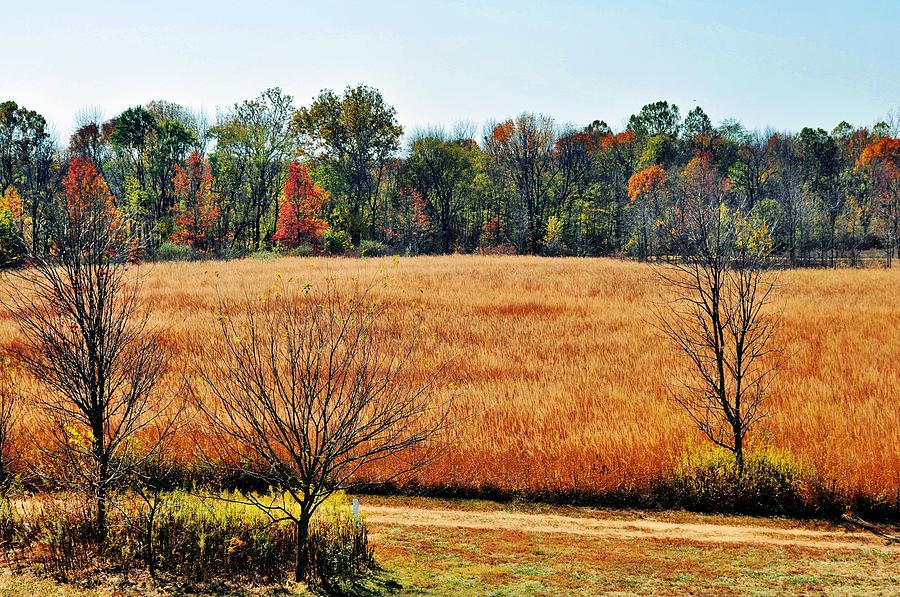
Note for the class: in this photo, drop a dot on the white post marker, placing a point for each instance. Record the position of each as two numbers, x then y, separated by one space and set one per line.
356 509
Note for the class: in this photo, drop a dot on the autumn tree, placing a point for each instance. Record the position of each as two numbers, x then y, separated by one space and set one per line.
133 133
752 169
880 160
720 316
301 203
414 227
22 131
92 138
12 245
354 135
311 385
87 342
171 145
195 122
615 160
646 189
197 210
786 183
574 152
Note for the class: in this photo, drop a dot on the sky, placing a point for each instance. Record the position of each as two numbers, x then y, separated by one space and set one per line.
785 64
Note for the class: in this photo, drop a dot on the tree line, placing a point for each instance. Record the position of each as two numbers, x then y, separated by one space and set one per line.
338 175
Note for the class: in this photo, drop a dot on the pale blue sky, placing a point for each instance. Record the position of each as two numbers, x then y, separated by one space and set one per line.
785 64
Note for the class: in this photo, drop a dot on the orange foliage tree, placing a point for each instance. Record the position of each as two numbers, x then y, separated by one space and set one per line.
415 230
645 188
197 210
301 204
880 160
611 141
646 181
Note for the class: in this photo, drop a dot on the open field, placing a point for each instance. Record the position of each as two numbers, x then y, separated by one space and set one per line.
562 378
433 547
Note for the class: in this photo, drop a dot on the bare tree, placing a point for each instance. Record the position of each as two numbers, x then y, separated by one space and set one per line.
719 318
86 340
310 386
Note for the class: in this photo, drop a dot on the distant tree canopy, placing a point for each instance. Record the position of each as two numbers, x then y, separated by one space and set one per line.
337 174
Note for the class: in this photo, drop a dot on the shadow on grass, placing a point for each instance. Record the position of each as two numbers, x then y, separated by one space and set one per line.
379 584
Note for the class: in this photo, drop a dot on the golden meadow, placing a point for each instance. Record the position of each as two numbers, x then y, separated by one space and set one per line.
560 377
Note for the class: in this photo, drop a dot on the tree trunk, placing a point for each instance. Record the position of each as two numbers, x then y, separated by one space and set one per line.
739 452
101 513
301 556
102 473
150 553
355 222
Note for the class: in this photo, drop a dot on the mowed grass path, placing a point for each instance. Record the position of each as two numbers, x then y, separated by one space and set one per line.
561 377
430 560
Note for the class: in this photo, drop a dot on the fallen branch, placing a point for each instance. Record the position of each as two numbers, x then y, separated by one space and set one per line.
868 526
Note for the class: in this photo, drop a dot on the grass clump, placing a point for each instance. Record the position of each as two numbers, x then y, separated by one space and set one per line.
175 252
773 482
371 248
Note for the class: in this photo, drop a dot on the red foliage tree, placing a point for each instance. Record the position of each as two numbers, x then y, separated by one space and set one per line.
611 141
88 195
197 210
301 204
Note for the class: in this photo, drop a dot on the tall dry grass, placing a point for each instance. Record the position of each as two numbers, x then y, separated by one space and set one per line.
562 378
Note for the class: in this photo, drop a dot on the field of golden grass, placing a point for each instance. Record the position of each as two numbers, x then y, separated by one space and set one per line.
562 376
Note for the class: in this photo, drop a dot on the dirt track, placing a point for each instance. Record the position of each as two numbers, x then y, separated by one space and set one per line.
611 528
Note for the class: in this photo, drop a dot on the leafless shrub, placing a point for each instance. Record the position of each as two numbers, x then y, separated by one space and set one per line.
310 386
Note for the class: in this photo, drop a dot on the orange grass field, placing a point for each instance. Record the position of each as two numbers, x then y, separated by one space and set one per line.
562 378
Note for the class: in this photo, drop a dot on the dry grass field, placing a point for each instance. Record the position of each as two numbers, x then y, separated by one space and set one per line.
562 378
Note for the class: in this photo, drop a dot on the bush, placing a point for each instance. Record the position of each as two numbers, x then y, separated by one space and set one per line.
501 249
265 254
371 248
232 252
773 482
202 540
336 242
174 252
303 250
